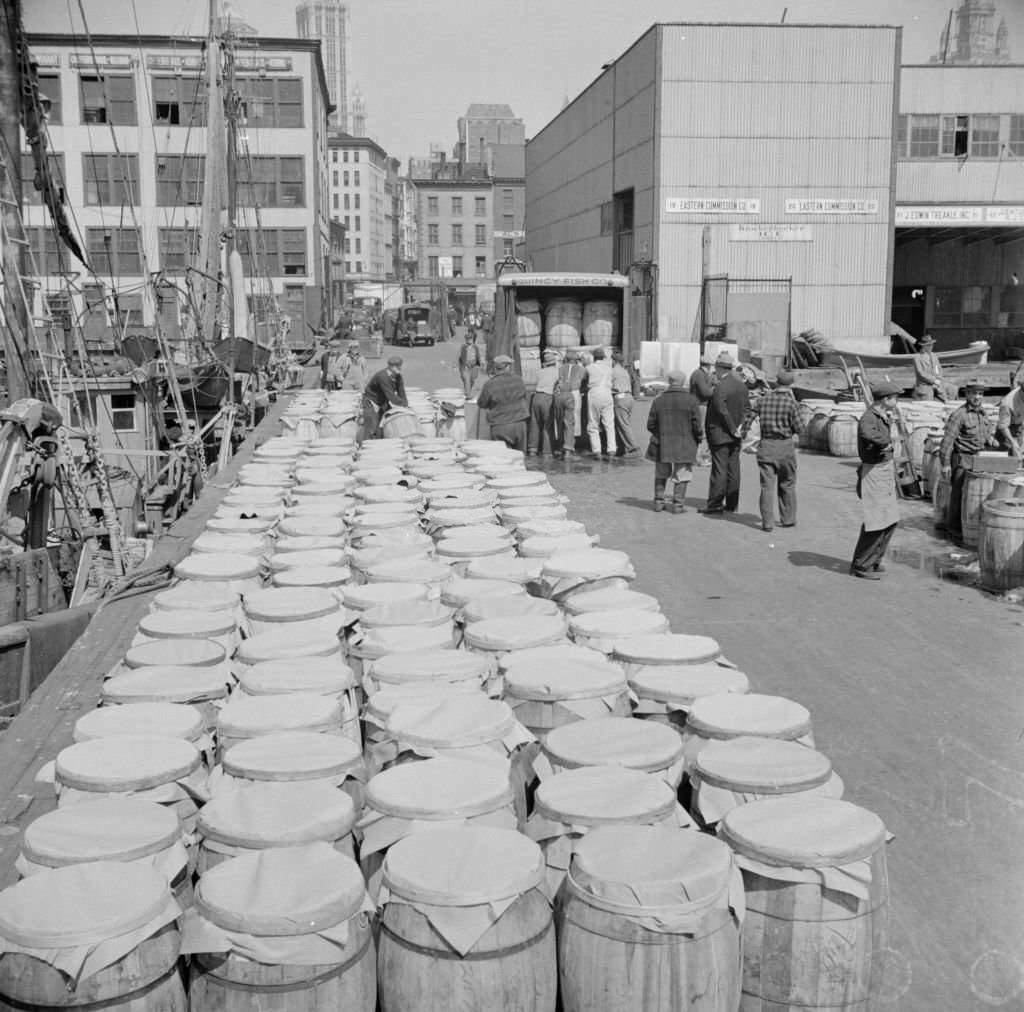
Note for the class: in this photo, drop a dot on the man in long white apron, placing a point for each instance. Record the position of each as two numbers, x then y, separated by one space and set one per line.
876 483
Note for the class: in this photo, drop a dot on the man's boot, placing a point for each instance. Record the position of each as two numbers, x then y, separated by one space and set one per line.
659 494
679 497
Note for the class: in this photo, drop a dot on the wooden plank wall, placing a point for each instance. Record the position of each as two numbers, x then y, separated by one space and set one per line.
46 724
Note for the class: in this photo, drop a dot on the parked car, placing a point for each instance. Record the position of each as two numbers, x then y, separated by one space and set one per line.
415 323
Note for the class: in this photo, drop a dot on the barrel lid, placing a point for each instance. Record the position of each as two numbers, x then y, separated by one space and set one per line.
507 568
550 528
299 560
238 525
190 597
322 675
595 795
177 720
682 684
375 476
528 495
382 545
439 788
485 608
611 599
291 604
487 448
431 665
292 755
762 765
313 576
211 542
426 613
335 507
571 680
368 511
543 547
732 715
394 639
191 653
268 814
270 450
518 479
182 624
463 866
606 624
409 571
387 493
614 741
217 566
1005 507
321 478
468 546
253 494
383 520
128 762
450 479
165 682
82 904
307 543
666 648
322 488
488 530
366 595
652 866
246 716
107 829
459 500
555 653
462 589
282 891
317 525
516 632
589 564
527 512
383 703
460 722
803 831
280 643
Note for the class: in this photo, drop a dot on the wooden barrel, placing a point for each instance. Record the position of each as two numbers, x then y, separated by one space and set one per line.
282 901
601 630
646 921
914 445
472 957
528 322
204 688
93 904
498 636
247 716
978 486
817 897
1001 544
401 422
842 436
602 324
931 466
563 323
665 694
940 494
1007 486
817 431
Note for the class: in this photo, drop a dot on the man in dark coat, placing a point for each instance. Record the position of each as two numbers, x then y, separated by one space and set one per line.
503 397
385 390
674 424
702 386
727 412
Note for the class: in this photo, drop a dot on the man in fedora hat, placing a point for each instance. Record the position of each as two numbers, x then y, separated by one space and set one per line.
702 386
674 425
928 383
780 421
503 397
542 420
876 483
727 413
968 432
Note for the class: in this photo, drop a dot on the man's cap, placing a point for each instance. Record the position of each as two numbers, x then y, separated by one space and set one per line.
502 360
676 378
927 339
707 359
395 360
975 384
725 360
885 389
784 378
598 353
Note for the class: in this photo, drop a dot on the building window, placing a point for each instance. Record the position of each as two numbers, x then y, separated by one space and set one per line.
953 142
334 201
179 179
608 218
178 249
924 136
114 251
456 235
111 179
456 205
344 156
55 161
359 245
347 222
480 207
432 205
456 267
271 102
122 412
355 178
334 160
279 252
480 235
359 267
433 237
356 202
481 267
348 245
45 249
1015 138
622 251
334 178
49 86
984 136
179 101
271 182
507 198
108 98
344 177
433 267
508 222
962 307
508 247
359 223
355 156
347 202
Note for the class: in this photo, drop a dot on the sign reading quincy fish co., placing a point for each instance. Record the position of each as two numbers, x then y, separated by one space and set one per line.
830 205
713 205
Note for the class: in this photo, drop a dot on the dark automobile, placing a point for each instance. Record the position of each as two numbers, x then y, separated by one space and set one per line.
415 323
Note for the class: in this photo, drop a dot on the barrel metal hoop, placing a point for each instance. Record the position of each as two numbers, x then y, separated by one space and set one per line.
824 920
470 956
104 1003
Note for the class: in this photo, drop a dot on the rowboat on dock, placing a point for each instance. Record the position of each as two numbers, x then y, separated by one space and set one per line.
975 353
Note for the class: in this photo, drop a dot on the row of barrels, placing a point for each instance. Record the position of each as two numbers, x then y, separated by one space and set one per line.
402 732
568 323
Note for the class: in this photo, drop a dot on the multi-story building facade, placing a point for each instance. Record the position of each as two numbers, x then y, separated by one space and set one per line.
357 177
407 251
127 132
455 218
328 22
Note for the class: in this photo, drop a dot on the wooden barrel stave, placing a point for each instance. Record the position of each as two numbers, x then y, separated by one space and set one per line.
1001 544
842 436
978 487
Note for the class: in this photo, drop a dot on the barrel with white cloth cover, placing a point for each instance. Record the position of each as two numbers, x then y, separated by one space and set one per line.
522 606
279 644
179 653
227 571
214 542
361 596
246 716
176 720
566 807
611 599
465 924
424 667
383 640
195 597
498 636
462 589
817 897
650 919
572 572
219 626
600 630
282 930
521 571
740 770
297 611
101 934
551 655
665 693
203 688
332 578
266 815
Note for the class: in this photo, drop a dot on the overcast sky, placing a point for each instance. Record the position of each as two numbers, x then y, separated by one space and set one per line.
420 63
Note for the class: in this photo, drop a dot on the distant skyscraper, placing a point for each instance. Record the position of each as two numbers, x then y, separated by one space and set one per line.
358 113
327 20
972 36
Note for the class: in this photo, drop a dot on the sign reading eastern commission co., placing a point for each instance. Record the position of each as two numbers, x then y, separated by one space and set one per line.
829 205
771 233
712 205
937 216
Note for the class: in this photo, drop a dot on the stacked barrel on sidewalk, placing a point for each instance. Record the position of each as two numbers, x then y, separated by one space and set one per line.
402 732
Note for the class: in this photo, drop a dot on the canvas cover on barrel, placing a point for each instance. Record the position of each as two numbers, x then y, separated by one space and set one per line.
565 682
166 682
182 624
297 560
417 667
405 570
611 599
515 633
556 653
324 676
176 720
130 762
636 652
565 571
731 715
280 643
290 756
329 577
496 606
512 570
188 597
190 653
470 723
405 613
461 589
247 716
667 688
219 566
365 595
601 630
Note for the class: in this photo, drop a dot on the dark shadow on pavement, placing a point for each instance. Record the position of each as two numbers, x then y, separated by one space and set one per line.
819 561
745 519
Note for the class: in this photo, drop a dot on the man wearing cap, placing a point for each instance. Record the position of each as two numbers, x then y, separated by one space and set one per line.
600 404
780 421
354 369
622 399
876 483
727 413
471 360
542 418
330 365
674 425
568 400
1010 426
503 397
968 432
385 390
702 386
928 382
